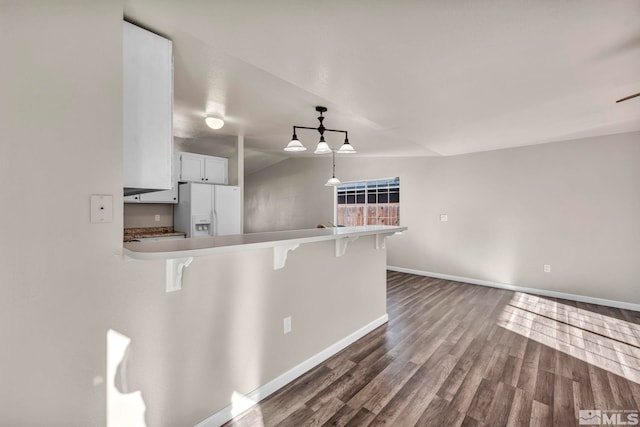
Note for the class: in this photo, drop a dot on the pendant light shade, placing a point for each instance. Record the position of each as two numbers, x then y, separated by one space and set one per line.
322 147
295 145
346 148
333 181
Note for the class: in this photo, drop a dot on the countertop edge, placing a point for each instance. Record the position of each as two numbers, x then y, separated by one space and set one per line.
169 249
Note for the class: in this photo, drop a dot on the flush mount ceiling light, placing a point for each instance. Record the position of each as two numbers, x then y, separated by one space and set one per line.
214 122
322 147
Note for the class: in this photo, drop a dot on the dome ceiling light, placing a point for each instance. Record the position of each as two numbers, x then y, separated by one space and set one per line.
214 122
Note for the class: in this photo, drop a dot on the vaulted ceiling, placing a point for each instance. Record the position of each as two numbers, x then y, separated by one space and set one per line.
403 77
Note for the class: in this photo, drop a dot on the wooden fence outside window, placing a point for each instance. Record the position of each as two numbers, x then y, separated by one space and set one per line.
374 202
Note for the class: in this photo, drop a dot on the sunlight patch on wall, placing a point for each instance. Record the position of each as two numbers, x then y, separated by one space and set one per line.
125 407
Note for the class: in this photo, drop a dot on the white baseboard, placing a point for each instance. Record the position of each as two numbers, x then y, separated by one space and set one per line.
535 291
245 402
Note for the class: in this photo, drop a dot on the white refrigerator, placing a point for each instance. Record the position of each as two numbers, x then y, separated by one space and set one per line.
207 210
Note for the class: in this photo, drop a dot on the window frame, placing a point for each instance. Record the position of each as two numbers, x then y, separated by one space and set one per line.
366 203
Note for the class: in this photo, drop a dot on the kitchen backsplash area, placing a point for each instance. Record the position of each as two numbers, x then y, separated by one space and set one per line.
144 215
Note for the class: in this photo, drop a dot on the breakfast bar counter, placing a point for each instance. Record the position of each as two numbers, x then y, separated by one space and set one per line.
179 253
292 298
203 246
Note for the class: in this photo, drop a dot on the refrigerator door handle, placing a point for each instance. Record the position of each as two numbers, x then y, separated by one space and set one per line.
215 221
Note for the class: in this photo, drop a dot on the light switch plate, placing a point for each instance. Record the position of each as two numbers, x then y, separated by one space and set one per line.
101 208
444 217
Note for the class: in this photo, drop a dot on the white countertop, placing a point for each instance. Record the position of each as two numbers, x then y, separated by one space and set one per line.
202 246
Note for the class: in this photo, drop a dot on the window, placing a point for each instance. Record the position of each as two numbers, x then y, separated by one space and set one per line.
374 202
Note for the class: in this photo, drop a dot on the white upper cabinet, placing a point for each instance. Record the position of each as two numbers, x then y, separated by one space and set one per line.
215 170
191 167
147 109
201 168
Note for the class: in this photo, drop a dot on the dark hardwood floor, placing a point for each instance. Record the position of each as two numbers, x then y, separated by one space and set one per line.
455 354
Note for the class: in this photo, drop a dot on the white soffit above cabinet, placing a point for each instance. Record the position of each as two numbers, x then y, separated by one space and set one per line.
404 77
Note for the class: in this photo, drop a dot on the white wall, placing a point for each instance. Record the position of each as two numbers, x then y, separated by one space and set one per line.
64 284
574 205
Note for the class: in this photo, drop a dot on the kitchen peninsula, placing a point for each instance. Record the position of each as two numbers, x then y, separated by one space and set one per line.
212 245
327 286
281 241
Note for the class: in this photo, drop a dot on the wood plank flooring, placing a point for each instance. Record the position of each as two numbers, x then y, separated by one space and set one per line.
455 354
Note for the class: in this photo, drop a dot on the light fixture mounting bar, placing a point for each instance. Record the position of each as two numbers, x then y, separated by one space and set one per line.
324 129
320 109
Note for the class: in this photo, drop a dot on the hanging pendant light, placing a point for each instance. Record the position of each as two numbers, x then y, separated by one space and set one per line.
333 181
346 147
295 144
322 147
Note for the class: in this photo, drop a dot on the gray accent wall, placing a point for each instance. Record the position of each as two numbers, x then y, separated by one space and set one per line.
574 205
289 196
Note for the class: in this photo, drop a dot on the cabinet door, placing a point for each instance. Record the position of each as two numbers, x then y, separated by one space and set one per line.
165 196
227 210
191 168
147 131
215 170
